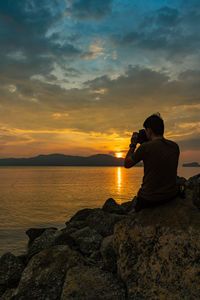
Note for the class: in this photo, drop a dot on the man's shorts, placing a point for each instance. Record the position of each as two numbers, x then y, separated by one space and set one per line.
141 203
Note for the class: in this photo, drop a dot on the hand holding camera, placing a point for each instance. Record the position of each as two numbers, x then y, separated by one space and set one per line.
138 138
134 139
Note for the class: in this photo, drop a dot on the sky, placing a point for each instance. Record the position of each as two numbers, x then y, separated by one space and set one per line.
78 77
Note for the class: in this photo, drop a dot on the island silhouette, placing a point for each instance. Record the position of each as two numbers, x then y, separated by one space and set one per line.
57 159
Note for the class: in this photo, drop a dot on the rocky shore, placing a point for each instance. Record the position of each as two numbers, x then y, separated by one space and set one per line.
112 253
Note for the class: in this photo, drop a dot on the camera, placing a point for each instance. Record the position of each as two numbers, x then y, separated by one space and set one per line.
142 137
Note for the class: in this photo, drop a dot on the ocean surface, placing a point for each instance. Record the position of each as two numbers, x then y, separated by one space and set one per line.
49 196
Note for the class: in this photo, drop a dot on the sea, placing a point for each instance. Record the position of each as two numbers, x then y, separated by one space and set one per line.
49 196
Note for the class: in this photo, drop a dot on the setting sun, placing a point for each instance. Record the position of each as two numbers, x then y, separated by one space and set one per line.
119 154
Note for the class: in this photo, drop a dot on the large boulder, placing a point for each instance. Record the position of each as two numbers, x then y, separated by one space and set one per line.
88 240
91 283
11 269
43 241
108 254
45 274
111 206
102 221
65 239
81 215
129 205
193 189
158 251
8 294
34 233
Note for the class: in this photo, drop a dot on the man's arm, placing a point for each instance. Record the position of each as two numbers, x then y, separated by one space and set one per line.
129 162
133 157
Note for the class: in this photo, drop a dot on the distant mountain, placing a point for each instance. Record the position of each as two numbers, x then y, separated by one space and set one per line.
65 160
192 164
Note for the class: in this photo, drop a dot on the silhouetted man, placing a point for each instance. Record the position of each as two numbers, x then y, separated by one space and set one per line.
160 158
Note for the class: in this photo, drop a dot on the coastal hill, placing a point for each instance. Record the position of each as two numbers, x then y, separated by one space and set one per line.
112 253
64 160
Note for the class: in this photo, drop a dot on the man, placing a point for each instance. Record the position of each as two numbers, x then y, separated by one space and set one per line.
160 158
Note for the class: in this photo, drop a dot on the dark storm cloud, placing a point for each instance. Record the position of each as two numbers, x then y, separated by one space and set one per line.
90 9
167 16
26 48
174 31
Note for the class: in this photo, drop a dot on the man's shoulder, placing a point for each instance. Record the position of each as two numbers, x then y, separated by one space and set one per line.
156 143
172 143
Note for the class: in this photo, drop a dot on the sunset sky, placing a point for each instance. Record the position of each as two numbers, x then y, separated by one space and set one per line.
78 77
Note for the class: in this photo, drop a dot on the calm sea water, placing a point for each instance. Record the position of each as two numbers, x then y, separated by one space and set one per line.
49 196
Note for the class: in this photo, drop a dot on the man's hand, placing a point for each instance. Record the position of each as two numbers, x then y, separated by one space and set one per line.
134 139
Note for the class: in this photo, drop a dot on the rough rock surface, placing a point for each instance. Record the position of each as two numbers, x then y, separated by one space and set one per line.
103 222
44 276
88 240
65 239
108 254
81 215
44 241
10 271
33 233
112 207
158 251
8 294
193 185
128 206
91 283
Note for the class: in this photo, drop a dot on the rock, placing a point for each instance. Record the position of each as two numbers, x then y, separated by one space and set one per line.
23 259
128 206
108 254
45 273
102 221
11 269
158 251
65 239
89 283
193 181
8 294
98 219
95 257
74 225
88 240
112 207
81 215
44 241
33 233
193 184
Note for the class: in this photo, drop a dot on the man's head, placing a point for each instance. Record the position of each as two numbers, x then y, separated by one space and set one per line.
154 126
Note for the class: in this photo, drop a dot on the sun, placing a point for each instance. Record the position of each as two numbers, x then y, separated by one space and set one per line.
119 154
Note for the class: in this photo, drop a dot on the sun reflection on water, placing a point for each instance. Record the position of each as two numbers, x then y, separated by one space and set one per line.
119 179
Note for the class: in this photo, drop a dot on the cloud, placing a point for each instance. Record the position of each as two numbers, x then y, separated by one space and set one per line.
97 75
60 115
10 137
89 9
28 45
190 144
123 103
162 35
